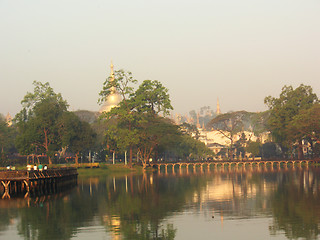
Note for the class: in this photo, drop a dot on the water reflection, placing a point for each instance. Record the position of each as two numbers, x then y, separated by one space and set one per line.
174 205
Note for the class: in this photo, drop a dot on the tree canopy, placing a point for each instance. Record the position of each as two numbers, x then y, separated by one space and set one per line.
45 126
139 122
285 112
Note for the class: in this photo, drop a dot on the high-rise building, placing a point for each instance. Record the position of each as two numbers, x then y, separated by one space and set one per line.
113 99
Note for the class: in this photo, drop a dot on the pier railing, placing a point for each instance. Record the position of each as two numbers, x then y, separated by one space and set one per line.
36 182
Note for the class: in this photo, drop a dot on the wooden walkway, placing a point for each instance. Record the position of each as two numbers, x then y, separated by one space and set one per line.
35 182
229 164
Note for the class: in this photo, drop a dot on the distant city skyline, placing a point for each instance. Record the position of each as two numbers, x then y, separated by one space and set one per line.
239 52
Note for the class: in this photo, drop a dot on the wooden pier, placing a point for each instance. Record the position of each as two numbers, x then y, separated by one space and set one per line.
36 182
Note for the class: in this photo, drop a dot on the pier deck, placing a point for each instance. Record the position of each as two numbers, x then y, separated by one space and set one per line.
33 182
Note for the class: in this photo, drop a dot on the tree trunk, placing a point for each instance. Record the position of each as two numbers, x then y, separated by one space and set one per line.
76 160
130 158
50 160
300 150
231 150
144 165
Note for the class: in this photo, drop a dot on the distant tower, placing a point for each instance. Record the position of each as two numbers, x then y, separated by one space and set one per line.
198 121
114 98
218 107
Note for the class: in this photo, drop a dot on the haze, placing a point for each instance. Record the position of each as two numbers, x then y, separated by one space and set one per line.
239 51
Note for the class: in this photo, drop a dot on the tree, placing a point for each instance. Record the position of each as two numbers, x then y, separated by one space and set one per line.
136 119
240 145
190 129
153 132
76 135
254 148
120 82
282 112
228 125
7 136
152 97
148 101
38 121
307 125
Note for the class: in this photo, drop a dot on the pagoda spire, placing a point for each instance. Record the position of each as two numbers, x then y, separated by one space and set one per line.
198 121
113 89
114 98
218 107
111 71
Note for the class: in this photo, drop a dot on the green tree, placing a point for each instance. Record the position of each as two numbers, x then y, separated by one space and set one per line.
307 125
38 121
228 125
7 137
76 135
190 129
282 112
121 82
254 148
152 97
136 110
240 145
153 132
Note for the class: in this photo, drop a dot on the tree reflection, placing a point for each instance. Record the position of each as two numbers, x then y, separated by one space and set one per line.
140 210
296 205
140 207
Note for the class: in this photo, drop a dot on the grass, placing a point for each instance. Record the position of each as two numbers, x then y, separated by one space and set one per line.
104 169
108 169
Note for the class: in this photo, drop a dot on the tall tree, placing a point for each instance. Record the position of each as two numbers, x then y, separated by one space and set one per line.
283 109
307 125
152 97
136 111
38 121
76 135
121 82
7 137
228 125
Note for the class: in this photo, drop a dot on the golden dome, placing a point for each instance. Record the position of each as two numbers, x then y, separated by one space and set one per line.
113 99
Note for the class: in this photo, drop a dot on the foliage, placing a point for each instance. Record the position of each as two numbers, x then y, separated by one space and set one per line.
7 137
121 82
152 97
254 148
75 134
45 126
87 116
190 129
240 145
284 110
136 111
39 129
136 123
228 125
191 149
307 125
121 117
270 150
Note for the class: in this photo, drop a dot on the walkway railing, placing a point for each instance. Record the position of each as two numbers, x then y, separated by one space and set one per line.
251 163
36 182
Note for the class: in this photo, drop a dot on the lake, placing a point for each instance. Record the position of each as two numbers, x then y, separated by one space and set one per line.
249 203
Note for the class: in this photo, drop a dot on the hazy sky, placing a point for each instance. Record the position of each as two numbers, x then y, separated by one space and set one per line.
239 51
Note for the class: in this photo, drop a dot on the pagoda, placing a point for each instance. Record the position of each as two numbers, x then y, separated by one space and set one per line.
113 99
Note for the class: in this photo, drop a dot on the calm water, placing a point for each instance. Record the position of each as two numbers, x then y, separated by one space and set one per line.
230 204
